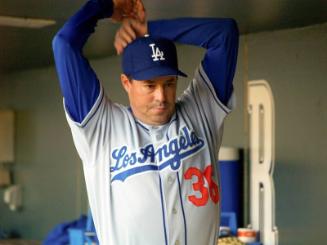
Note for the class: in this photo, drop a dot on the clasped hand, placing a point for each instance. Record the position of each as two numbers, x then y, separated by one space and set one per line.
131 14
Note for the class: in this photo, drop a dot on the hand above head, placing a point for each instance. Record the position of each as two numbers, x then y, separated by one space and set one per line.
128 9
131 14
129 30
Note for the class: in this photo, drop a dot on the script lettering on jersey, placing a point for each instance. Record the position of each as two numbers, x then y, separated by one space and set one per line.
148 158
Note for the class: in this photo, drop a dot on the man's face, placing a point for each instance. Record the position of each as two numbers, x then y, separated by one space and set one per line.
152 101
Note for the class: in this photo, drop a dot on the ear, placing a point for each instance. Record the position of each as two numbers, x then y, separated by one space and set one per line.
125 82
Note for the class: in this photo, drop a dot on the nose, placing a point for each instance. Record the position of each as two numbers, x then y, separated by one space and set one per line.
160 94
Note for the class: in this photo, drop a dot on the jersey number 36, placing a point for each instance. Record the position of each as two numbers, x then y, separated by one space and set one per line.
206 189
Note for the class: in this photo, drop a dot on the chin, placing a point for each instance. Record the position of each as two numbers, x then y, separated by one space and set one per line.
160 120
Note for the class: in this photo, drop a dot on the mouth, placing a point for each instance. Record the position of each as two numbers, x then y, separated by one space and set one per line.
160 108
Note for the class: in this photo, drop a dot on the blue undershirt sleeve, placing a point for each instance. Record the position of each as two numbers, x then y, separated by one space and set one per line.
218 35
79 84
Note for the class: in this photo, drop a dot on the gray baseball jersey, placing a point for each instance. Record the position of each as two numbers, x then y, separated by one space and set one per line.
154 184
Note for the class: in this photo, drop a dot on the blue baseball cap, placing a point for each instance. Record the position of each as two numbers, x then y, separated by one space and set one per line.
148 57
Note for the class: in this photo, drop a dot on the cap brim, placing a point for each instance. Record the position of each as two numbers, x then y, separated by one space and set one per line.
157 72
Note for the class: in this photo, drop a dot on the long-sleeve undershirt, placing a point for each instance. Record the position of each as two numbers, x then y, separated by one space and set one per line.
79 84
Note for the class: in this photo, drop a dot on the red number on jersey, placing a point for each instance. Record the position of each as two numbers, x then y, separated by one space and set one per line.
213 187
199 185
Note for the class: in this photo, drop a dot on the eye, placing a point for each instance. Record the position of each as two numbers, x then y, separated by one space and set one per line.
171 84
149 85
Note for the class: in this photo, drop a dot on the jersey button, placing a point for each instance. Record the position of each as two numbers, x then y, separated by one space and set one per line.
174 211
158 136
177 242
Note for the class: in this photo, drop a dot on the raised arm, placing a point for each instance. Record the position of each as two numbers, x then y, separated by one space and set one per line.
79 84
220 38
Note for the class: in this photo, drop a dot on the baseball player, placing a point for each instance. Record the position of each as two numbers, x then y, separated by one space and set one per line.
150 168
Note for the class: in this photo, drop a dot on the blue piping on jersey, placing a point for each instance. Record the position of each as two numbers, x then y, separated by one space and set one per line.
83 124
214 95
163 211
180 197
137 122
142 126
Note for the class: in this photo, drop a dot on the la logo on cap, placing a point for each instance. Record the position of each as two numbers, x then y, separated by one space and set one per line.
156 53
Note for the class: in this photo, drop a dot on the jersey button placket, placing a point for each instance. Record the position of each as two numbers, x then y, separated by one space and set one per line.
175 216
170 193
157 141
